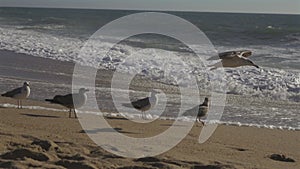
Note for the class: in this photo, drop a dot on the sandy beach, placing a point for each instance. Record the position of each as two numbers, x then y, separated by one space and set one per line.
258 121
49 139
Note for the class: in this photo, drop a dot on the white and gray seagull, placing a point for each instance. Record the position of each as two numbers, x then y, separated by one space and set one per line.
201 110
233 59
145 103
71 101
20 93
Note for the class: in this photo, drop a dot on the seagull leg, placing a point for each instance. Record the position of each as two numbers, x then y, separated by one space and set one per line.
21 104
70 113
200 121
18 104
144 116
75 114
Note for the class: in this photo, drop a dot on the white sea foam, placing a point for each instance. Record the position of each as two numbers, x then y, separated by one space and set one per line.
280 84
7 105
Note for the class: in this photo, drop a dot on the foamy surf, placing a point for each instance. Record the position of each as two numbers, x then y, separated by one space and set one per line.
279 84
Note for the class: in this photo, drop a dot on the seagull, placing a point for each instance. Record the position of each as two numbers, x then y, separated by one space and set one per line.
233 59
202 110
20 93
71 101
145 103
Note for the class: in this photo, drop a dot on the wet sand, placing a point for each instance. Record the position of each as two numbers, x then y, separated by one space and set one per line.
49 139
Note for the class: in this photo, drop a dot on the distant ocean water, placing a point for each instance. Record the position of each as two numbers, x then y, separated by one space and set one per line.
59 34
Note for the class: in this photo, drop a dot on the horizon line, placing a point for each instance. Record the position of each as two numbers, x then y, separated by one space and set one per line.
153 10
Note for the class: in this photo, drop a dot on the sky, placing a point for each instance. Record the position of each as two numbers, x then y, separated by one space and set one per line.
244 6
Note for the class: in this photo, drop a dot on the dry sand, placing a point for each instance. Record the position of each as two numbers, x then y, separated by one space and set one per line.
48 139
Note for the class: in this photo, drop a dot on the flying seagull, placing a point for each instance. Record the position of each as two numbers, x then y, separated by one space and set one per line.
202 110
20 93
145 103
233 59
71 101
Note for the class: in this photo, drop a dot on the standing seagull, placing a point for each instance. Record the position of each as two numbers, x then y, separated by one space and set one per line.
20 93
233 59
145 103
202 110
71 101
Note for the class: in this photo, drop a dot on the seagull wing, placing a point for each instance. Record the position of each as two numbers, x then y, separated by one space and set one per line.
191 112
232 54
141 103
245 53
66 100
227 55
202 111
214 58
224 55
13 92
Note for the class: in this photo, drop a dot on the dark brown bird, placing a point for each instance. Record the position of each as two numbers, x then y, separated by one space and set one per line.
145 103
202 110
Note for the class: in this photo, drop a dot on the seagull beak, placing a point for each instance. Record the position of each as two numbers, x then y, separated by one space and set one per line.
256 66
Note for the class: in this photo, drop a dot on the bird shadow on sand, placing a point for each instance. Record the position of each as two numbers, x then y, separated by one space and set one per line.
37 115
115 118
238 149
169 125
105 130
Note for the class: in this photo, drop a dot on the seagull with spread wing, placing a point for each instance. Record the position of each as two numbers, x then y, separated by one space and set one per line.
233 59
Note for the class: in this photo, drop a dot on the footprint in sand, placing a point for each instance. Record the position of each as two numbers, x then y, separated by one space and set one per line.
24 153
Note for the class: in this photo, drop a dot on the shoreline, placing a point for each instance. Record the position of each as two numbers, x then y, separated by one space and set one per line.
52 77
229 146
33 104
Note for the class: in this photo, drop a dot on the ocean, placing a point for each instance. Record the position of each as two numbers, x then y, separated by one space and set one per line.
42 45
